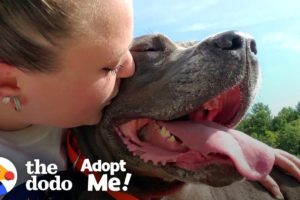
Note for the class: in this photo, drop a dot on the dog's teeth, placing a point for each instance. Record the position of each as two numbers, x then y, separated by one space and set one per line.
207 108
171 139
212 104
156 126
164 133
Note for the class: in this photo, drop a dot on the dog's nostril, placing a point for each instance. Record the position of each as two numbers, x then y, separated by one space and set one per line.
229 41
253 47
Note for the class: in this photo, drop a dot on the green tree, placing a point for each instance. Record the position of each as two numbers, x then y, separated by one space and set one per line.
257 124
289 137
286 115
298 109
259 119
244 124
283 131
268 137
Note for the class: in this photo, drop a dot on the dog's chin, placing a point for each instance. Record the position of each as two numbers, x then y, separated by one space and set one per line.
216 175
145 187
154 185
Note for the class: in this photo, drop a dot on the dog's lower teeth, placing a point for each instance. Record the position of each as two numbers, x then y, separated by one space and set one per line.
212 104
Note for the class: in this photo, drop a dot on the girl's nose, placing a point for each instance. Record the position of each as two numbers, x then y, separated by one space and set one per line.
128 68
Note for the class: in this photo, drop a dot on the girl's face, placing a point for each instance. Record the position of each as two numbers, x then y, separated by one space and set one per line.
77 94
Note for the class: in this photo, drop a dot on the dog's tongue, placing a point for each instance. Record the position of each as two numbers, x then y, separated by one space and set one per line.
253 159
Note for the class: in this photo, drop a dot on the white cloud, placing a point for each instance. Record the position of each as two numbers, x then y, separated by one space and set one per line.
169 11
227 23
285 40
198 15
197 27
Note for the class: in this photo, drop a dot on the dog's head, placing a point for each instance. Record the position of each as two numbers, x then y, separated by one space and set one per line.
172 120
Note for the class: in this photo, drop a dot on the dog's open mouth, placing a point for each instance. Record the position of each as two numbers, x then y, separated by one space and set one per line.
199 138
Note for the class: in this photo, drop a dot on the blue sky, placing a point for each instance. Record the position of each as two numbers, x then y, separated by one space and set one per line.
274 24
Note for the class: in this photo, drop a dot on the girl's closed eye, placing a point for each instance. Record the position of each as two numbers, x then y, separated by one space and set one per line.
113 70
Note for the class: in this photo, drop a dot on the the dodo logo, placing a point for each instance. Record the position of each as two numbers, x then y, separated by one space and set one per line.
8 176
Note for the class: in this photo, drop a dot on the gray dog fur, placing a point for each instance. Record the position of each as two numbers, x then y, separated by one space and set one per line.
172 80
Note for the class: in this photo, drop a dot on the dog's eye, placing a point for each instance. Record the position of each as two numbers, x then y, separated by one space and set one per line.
147 47
154 44
151 49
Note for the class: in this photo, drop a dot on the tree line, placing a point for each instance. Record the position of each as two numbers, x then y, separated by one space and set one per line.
280 131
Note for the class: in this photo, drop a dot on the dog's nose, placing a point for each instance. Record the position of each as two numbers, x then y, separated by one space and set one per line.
232 40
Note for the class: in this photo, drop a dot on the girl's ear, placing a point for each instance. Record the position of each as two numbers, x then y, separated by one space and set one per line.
8 81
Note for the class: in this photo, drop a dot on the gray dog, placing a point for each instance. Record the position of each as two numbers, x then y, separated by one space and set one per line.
172 122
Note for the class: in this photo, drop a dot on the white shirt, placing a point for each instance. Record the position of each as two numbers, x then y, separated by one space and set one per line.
34 142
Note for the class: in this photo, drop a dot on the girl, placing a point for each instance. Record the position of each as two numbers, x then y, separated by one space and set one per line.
61 62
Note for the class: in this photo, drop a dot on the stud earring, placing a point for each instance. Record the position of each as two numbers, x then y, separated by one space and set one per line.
5 100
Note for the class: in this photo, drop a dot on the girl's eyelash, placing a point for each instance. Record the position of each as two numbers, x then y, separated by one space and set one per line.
115 70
